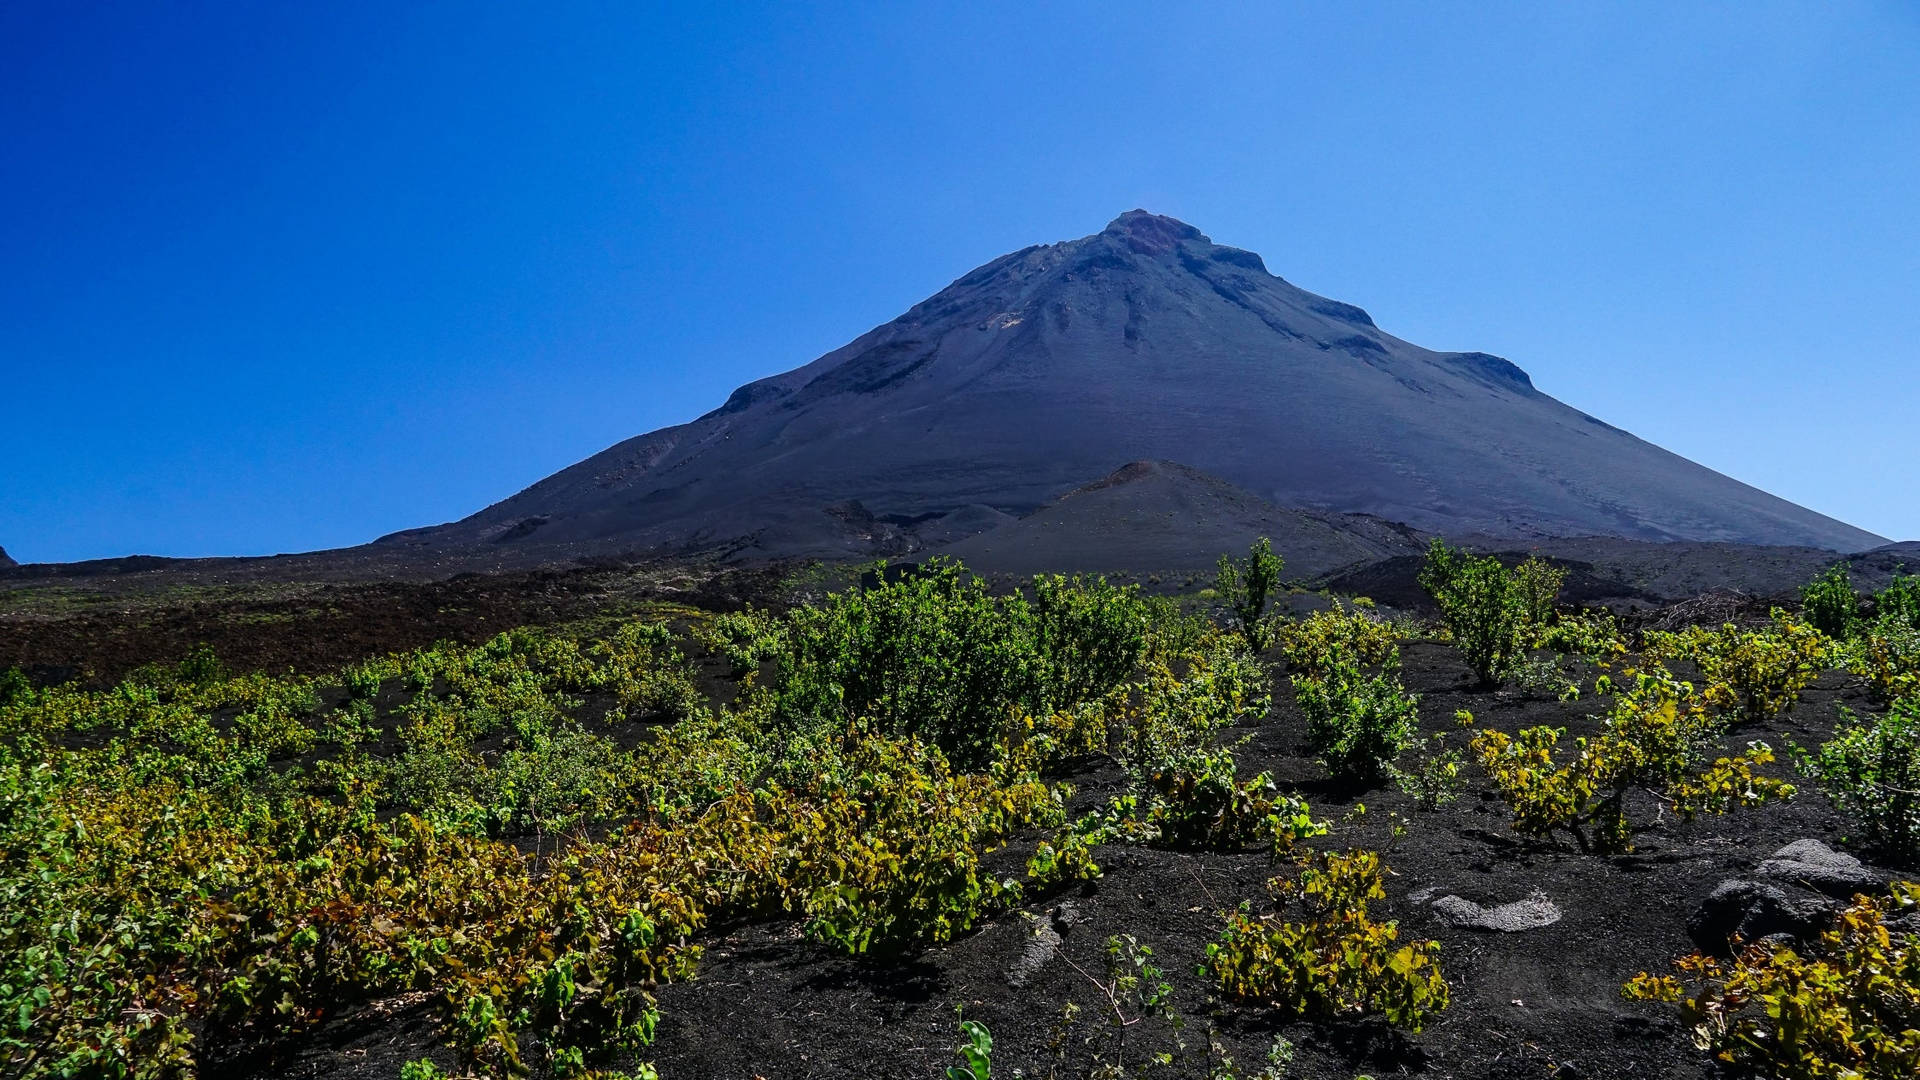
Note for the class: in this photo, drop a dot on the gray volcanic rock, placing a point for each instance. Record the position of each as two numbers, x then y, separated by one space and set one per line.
1048 367
1532 913
1817 866
6 560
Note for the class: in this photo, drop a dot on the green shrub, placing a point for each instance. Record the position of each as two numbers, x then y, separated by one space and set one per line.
1538 583
201 667
746 638
1436 782
14 686
1656 739
1829 603
1594 635
1316 643
1337 962
1887 656
649 678
1899 603
1178 706
1357 722
882 849
1840 1008
1068 855
1090 636
553 781
1199 801
1246 587
1751 675
932 655
936 656
1541 677
1871 772
1484 605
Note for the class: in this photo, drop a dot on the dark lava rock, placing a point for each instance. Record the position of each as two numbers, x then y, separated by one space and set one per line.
1751 910
1819 867
5 560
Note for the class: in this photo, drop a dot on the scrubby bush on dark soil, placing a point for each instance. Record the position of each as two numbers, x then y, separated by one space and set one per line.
794 839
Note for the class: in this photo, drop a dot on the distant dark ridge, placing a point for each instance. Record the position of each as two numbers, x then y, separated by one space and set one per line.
6 560
124 564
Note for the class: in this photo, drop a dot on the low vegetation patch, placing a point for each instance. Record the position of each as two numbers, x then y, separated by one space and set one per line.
532 839
1656 740
1335 961
1843 1007
1751 675
1871 772
533 833
1491 610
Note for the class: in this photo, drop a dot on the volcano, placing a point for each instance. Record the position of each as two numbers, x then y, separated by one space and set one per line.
1048 368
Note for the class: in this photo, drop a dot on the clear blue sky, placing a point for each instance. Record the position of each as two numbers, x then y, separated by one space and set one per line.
287 276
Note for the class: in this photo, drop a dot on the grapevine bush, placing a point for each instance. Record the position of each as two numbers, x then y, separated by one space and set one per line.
1336 962
1841 1007
1751 675
1491 610
1871 772
1887 656
1326 638
1657 739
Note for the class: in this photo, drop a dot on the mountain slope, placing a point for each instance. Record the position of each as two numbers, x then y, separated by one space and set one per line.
1160 517
1051 366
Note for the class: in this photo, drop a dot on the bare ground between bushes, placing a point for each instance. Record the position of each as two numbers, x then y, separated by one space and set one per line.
97 631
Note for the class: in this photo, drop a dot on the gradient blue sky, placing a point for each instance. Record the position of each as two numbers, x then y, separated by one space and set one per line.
287 276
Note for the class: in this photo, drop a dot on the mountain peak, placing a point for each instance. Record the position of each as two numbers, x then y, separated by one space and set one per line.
1036 372
1150 233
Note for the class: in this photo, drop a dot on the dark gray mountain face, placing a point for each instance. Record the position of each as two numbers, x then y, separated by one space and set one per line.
6 561
1154 518
1048 368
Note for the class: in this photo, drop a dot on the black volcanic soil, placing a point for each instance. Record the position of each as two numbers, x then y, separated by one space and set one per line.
97 628
1540 1003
